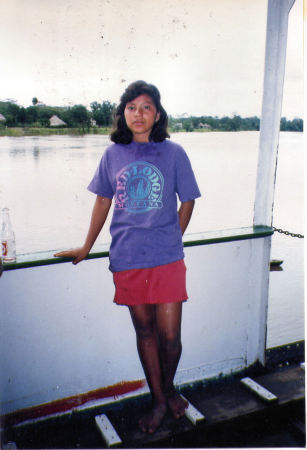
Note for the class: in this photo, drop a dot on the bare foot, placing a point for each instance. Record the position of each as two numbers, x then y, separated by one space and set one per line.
152 420
176 404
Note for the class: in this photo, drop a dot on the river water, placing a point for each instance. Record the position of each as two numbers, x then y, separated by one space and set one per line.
43 181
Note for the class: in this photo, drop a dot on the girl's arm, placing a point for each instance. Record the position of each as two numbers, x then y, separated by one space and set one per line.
99 215
185 213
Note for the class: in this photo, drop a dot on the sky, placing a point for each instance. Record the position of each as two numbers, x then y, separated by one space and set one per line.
205 56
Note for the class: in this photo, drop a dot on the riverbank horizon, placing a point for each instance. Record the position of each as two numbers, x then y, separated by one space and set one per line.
104 131
45 131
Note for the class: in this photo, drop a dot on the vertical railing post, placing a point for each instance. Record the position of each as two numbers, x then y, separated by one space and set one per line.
275 60
274 71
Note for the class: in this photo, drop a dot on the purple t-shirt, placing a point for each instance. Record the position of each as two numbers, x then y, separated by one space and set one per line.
145 179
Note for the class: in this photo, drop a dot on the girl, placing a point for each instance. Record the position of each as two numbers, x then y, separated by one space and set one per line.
144 173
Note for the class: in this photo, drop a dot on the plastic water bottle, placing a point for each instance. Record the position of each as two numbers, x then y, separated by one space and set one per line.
7 238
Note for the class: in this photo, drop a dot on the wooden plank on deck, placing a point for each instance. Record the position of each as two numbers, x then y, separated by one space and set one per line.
107 430
259 390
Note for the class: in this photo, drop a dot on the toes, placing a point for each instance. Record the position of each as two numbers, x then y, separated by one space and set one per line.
151 421
147 428
141 426
177 405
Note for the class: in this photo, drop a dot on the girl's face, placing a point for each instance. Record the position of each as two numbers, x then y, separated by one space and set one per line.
141 115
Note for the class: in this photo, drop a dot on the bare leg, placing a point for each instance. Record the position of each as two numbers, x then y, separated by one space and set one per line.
144 320
168 318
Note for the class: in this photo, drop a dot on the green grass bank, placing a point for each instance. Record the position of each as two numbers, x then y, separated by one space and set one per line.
32 131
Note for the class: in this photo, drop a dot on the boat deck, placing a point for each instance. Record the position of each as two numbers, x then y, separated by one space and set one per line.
234 417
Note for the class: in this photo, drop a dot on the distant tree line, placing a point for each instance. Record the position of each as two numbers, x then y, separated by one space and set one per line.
235 123
38 115
101 114
291 125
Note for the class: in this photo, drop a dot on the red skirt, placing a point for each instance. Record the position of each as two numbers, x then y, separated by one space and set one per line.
160 284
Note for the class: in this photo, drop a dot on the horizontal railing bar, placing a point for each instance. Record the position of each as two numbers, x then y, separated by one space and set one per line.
102 251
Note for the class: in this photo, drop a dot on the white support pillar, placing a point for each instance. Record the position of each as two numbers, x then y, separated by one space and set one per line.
275 59
274 71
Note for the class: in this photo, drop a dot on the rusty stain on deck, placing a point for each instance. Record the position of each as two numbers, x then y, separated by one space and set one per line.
68 403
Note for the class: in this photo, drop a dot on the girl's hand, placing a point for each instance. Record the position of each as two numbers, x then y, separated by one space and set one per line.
76 254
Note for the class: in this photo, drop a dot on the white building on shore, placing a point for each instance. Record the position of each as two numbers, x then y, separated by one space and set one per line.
55 121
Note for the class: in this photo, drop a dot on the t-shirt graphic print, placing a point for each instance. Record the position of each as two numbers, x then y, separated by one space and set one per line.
139 188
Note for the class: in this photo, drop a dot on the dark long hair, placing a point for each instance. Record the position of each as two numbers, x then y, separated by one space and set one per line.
121 133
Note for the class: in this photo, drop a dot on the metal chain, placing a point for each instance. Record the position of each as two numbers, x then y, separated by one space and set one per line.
287 233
